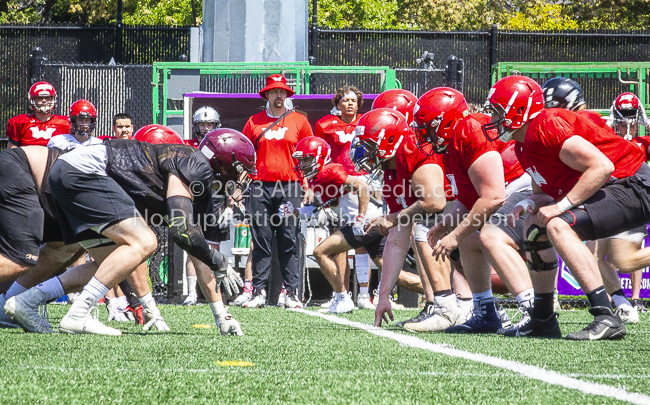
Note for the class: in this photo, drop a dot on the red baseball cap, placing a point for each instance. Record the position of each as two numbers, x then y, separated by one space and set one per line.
276 82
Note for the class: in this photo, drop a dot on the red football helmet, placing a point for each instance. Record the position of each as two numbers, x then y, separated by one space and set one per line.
158 134
312 153
42 89
232 158
512 101
82 109
378 135
398 99
435 116
626 112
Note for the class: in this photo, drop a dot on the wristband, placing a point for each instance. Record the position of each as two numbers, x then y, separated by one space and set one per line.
525 204
565 204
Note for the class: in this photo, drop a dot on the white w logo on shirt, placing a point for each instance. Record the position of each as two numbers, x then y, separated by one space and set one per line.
343 137
452 184
38 134
275 133
537 178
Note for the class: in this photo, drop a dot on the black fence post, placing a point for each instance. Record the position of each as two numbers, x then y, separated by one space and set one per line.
493 48
35 68
454 73
314 33
119 44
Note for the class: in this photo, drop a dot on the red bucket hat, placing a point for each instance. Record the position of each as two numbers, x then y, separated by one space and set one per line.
276 82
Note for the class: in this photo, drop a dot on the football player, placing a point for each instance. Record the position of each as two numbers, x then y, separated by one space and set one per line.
420 173
163 179
619 251
489 182
572 162
330 181
37 128
204 120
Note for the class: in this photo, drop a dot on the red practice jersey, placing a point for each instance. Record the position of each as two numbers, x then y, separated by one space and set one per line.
409 158
275 147
328 183
26 129
540 152
467 144
338 135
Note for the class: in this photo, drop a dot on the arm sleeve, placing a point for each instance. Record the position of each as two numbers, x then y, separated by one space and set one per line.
188 236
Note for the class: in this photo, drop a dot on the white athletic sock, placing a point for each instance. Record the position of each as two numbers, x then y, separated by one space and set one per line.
149 303
621 301
191 285
482 296
342 295
217 308
14 290
363 290
526 298
52 288
464 304
93 291
362 267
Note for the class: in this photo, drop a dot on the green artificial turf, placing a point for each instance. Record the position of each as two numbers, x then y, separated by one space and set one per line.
297 358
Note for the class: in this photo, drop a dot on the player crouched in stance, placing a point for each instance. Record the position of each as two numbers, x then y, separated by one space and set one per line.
421 174
107 189
623 251
28 216
588 184
329 181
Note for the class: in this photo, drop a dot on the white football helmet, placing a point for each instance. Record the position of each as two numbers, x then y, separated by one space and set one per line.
205 114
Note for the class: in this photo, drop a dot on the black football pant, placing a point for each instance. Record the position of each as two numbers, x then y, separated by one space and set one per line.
265 200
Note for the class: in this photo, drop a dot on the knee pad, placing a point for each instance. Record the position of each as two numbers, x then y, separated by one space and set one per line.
533 246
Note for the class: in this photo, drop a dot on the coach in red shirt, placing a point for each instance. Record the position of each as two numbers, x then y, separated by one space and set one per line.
275 133
40 127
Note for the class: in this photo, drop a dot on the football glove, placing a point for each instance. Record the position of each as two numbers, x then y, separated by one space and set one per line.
226 218
285 209
306 211
358 226
115 313
153 317
137 314
228 325
230 279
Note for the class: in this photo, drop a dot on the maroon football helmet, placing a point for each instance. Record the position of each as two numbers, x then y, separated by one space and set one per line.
232 157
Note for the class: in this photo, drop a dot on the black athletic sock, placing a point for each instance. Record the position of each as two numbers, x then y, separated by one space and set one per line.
543 306
443 293
131 298
598 298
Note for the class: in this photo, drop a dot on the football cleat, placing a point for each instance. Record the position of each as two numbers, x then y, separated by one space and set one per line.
5 320
393 305
190 300
485 319
505 319
605 325
327 304
258 300
282 298
442 315
292 301
638 304
364 302
342 304
426 312
628 314
242 298
524 317
29 309
82 318
533 327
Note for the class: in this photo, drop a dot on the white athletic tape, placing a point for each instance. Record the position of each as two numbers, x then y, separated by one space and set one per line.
533 372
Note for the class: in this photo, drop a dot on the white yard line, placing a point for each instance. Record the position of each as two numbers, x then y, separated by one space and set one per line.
533 372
